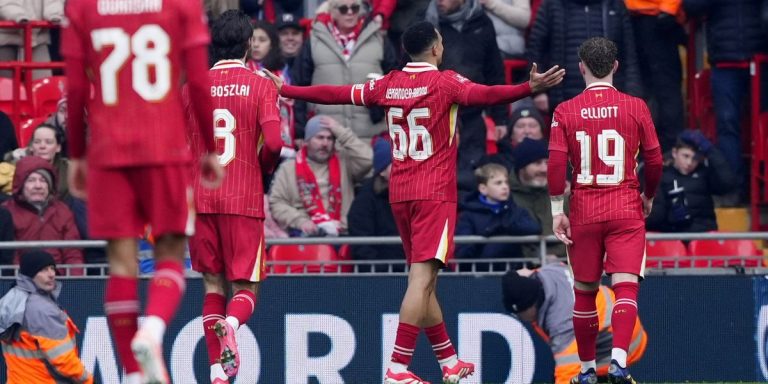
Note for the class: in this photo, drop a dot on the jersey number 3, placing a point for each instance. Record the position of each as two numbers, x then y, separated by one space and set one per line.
150 46
610 150
406 144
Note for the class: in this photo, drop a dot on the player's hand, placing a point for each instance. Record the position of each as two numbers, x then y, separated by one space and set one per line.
76 177
562 228
308 227
647 204
275 79
211 170
542 81
501 131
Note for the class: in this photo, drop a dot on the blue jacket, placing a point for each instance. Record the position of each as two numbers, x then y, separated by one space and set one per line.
480 218
733 28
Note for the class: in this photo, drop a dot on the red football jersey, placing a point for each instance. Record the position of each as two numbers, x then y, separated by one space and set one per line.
421 110
243 102
133 53
602 130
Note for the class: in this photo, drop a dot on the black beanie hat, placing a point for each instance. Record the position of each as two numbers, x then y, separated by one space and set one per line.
31 263
520 293
529 151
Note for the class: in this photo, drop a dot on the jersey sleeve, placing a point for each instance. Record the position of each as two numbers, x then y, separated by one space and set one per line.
73 42
268 105
454 85
369 93
557 137
648 138
195 25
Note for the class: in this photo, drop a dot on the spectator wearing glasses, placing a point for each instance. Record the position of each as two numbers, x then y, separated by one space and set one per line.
343 48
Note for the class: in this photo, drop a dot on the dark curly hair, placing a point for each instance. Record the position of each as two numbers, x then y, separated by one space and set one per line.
598 54
230 36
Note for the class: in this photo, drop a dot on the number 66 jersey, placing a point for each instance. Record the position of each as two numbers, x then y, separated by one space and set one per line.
602 131
134 52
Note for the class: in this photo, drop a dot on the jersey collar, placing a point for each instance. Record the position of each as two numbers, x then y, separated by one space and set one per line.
415 67
222 64
600 85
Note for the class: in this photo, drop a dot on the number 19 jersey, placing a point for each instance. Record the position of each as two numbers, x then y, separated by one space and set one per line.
133 52
422 105
602 130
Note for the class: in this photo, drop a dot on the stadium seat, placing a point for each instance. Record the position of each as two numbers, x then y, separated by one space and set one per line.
725 249
345 254
46 93
657 252
732 219
313 255
26 128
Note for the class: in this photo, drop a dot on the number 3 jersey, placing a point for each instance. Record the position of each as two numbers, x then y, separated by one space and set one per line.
243 103
422 106
133 51
602 130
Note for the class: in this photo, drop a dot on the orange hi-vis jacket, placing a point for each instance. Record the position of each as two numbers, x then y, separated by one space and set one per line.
654 7
38 338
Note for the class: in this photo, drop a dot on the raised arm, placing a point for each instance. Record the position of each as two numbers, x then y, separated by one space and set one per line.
498 94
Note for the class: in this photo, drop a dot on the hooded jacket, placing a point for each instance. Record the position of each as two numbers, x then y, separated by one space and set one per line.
53 222
17 10
38 338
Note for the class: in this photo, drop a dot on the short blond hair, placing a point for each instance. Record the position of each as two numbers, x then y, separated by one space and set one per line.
487 171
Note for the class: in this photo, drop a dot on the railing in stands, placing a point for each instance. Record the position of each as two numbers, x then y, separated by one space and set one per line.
26 66
759 128
737 263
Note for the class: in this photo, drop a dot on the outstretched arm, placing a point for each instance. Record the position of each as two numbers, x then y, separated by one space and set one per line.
320 94
498 94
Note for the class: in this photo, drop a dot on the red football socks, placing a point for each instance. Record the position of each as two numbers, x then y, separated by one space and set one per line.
166 290
585 323
214 306
440 341
405 343
624 313
242 305
121 305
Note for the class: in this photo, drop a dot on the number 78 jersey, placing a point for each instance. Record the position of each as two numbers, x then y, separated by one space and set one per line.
133 52
422 105
602 130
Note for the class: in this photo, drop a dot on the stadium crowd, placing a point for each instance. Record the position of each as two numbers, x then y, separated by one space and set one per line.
502 173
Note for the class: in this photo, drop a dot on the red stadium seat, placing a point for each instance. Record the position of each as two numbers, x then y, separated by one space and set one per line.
46 93
345 254
657 252
26 128
490 136
724 249
313 255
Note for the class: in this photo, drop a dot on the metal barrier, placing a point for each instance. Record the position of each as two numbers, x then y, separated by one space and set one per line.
735 263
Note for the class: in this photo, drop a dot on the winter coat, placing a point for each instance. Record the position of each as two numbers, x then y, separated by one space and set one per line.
321 62
478 218
510 19
38 338
54 222
6 234
562 25
732 27
371 215
536 201
17 10
692 209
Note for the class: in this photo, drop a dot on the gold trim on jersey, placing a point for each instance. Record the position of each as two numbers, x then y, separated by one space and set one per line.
442 247
256 273
452 122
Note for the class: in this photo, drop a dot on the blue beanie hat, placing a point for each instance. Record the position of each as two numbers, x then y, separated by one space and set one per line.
382 155
529 151
312 127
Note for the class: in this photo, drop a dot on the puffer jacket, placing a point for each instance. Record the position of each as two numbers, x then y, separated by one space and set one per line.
562 25
54 222
733 28
17 10
38 338
536 201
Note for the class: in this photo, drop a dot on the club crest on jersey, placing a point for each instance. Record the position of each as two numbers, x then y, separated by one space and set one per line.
461 78
554 124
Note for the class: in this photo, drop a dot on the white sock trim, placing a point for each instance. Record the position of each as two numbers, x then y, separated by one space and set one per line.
620 356
155 327
397 367
586 365
217 372
234 322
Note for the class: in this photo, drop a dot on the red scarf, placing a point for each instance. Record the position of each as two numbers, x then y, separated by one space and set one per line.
346 40
310 191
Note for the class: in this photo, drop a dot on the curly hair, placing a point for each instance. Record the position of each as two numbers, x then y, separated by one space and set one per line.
598 54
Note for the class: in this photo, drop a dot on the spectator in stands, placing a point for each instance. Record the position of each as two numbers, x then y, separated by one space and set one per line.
37 213
6 234
38 337
490 211
8 140
311 194
734 35
658 35
529 190
562 25
291 36
371 214
510 19
684 201
343 48
395 19
12 40
469 33
58 120
6 180
271 229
